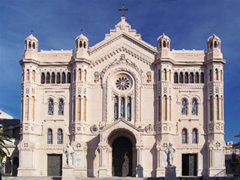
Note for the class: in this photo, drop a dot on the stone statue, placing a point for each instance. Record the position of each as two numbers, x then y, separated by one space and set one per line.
170 154
69 154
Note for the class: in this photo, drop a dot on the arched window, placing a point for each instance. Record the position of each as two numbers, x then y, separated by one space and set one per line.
32 107
79 75
84 108
33 45
53 78
84 44
129 114
221 75
210 75
68 77
175 77
194 136
194 107
96 76
85 75
191 77
79 108
29 45
122 107
164 75
184 136
58 78
116 108
80 45
184 106
60 136
33 75
60 107
186 77
48 78
42 78
202 77
165 107
63 77
49 136
50 106
27 107
27 75
170 74
211 108
181 77
149 78
197 77
216 74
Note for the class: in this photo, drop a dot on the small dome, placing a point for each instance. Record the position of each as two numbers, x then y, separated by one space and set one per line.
81 37
163 36
214 37
32 38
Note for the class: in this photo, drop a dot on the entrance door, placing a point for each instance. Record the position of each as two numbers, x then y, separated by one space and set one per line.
122 157
189 164
54 167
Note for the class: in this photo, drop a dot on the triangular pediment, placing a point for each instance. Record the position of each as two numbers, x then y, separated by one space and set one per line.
121 123
122 30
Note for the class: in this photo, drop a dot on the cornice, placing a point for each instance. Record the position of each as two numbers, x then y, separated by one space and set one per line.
134 53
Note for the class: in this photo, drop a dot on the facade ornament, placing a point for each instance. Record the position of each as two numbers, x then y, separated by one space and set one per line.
68 150
170 151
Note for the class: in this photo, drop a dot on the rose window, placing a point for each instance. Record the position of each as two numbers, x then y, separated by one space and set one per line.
122 83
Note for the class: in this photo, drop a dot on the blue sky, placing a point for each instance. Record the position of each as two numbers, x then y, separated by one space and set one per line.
56 24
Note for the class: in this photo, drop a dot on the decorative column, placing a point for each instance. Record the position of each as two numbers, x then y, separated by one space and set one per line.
102 160
161 159
139 169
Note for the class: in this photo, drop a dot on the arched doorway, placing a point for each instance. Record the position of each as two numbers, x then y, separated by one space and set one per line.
122 157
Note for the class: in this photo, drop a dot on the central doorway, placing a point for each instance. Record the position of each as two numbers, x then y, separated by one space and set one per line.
54 165
189 164
122 157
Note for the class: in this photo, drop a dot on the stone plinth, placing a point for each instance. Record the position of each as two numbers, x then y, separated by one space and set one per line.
170 173
68 173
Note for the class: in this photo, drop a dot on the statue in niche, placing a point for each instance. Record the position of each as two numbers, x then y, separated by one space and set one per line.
170 151
68 150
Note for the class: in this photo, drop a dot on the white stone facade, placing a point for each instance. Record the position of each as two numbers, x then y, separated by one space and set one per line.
122 87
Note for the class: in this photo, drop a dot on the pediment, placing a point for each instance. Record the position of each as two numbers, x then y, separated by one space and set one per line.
122 30
121 124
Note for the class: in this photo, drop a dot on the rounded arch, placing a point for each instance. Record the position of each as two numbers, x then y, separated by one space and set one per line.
121 132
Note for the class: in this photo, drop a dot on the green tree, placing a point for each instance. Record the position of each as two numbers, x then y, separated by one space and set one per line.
3 149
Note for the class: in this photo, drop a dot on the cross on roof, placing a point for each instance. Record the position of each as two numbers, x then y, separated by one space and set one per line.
81 30
31 31
123 9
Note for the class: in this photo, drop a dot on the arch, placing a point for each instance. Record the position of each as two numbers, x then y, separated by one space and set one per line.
49 136
27 75
43 78
121 132
68 77
196 77
181 77
85 75
164 44
61 107
202 77
184 106
63 78
29 45
48 78
33 75
53 78
79 74
60 136
33 45
195 136
84 45
194 106
191 77
175 77
50 106
184 136
216 74
58 78
164 74
186 78
80 44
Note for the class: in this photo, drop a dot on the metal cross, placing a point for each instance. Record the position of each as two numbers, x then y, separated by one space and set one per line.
31 31
123 9
163 31
81 30
213 31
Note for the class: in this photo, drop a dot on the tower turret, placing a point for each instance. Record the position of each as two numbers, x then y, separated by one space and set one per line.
214 47
30 48
81 47
163 43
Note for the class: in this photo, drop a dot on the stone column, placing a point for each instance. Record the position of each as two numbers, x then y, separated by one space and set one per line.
139 169
102 160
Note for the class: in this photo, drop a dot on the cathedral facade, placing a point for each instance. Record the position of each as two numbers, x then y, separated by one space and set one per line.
119 104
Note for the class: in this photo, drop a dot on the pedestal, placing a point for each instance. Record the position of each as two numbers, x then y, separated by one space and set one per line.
68 173
102 172
170 173
139 171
